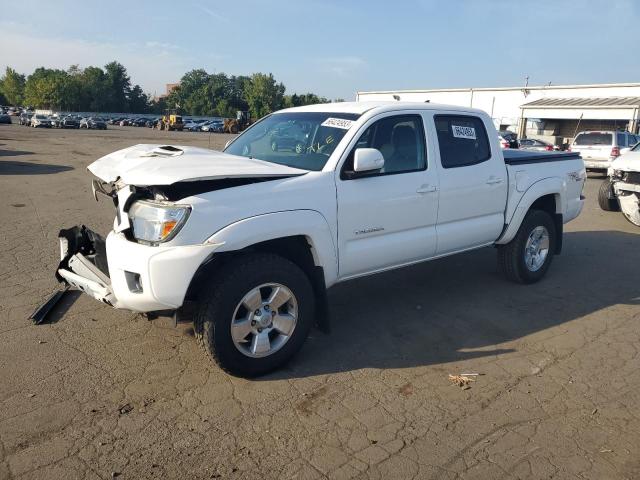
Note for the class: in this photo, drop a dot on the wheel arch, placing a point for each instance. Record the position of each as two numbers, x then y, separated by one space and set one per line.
302 237
547 195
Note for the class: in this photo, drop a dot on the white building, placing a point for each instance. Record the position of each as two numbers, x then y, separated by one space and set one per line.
554 113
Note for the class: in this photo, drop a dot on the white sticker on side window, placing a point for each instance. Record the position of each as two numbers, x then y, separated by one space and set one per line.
337 123
464 132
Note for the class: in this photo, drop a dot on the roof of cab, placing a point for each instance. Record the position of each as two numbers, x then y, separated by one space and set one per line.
380 106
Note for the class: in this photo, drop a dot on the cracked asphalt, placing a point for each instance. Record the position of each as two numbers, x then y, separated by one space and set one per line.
101 394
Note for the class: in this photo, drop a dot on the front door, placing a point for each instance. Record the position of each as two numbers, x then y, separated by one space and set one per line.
388 218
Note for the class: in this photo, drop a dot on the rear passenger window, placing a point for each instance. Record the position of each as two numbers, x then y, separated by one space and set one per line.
622 139
462 140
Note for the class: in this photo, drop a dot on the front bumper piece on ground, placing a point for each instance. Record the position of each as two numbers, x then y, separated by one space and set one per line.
83 266
125 274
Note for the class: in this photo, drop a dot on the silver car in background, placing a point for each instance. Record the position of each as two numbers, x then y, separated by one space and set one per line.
599 148
537 145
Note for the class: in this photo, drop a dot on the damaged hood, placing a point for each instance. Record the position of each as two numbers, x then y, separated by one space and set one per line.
145 165
628 162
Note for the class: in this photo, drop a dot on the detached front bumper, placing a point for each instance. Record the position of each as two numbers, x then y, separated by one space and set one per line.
128 275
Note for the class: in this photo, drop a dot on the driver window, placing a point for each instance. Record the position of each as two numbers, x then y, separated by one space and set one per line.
401 141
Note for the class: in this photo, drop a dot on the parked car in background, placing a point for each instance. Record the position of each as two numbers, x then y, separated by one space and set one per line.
212 126
5 118
537 145
115 120
508 139
598 148
621 191
40 121
139 122
194 125
289 136
93 123
25 119
70 121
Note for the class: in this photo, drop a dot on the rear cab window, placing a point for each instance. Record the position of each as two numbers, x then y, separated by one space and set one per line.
462 140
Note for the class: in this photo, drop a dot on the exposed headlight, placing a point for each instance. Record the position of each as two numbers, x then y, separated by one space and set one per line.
157 222
617 174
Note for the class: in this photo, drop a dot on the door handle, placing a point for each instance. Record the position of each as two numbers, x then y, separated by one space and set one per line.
494 181
427 189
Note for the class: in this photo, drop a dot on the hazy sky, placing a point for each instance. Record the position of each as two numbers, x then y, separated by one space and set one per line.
333 48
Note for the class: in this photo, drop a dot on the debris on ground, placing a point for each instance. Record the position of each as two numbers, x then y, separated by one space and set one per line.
463 381
124 409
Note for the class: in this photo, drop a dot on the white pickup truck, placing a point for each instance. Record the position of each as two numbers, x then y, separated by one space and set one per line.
246 242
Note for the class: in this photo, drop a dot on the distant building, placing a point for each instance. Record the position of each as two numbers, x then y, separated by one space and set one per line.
169 87
553 113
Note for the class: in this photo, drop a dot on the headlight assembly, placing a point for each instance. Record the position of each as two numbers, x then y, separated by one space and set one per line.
155 222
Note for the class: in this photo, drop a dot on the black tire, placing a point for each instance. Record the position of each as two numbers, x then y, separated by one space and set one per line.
604 193
511 257
222 292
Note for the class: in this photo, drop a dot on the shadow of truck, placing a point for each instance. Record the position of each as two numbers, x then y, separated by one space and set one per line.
434 312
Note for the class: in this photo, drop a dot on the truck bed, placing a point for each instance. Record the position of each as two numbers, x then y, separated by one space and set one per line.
518 157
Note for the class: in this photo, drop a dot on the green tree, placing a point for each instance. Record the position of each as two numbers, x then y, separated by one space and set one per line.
95 92
137 100
118 88
263 94
12 87
304 99
46 88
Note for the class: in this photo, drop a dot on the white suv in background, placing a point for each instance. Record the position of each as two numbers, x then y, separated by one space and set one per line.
599 148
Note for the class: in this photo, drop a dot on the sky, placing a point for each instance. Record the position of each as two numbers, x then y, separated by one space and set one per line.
330 47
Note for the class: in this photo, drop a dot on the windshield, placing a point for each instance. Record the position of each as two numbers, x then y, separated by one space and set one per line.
594 138
298 139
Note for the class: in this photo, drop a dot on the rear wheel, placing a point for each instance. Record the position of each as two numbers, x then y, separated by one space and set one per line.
606 197
527 257
254 314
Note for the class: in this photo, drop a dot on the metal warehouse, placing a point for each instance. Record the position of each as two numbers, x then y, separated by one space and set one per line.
552 113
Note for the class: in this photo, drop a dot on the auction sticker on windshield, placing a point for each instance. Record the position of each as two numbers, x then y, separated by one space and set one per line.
464 132
337 123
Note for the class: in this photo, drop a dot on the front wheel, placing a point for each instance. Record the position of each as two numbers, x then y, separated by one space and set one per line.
254 314
606 197
528 256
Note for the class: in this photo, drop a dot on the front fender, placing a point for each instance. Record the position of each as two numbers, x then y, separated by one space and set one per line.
310 223
547 186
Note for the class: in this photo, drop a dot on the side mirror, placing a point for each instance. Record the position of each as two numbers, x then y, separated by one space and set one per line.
367 160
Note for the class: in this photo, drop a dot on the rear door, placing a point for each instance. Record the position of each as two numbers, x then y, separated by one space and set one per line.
473 183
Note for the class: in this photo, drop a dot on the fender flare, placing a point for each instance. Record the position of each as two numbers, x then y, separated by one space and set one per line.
547 186
270 226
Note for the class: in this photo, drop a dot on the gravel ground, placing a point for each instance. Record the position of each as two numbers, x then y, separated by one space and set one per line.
102 394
